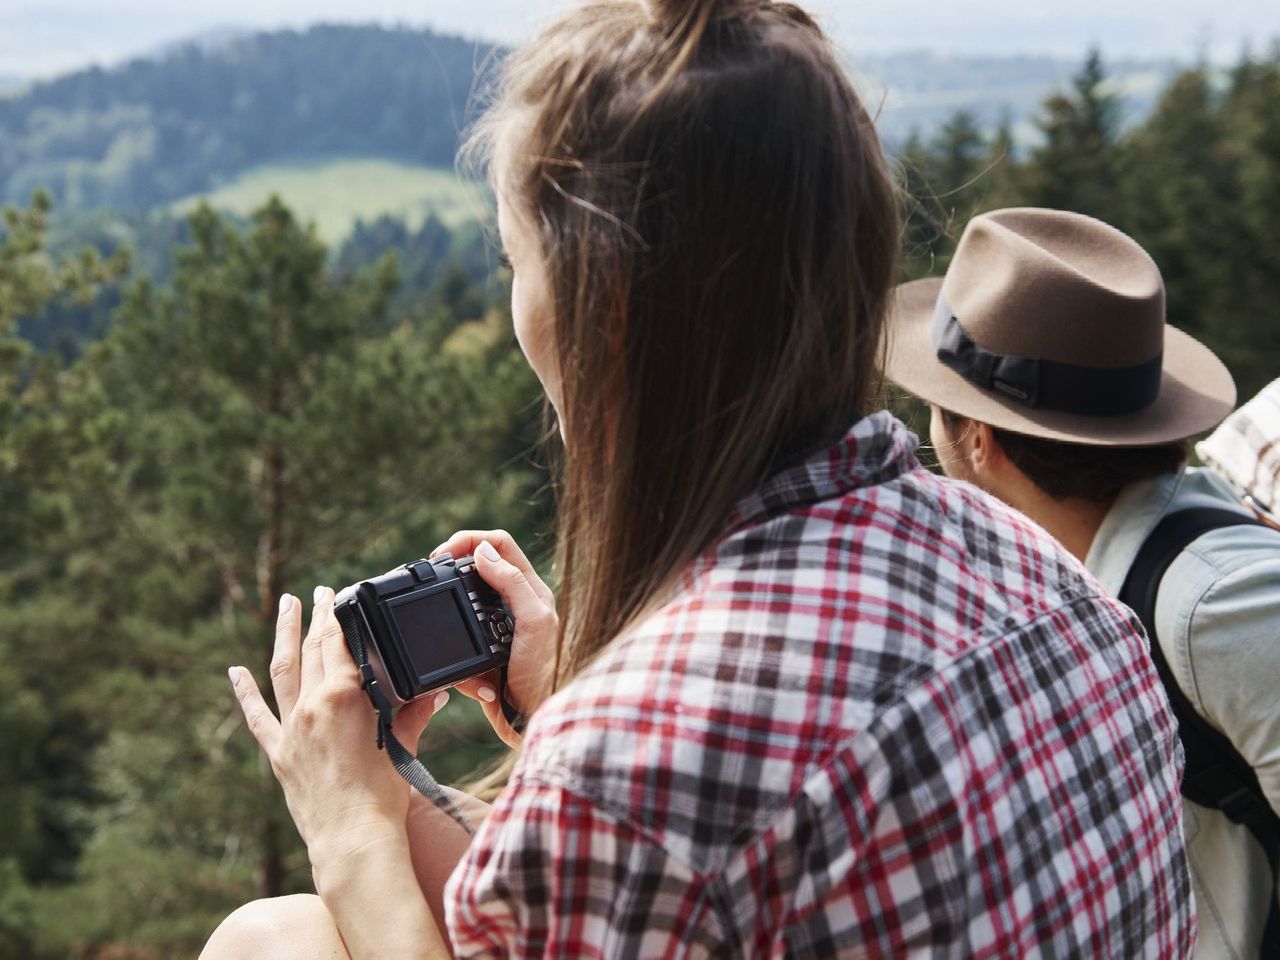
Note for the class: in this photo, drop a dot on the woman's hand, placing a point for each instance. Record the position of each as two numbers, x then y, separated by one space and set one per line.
342 791
503 565
346 798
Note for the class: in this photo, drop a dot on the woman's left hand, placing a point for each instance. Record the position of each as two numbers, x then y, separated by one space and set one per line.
342 792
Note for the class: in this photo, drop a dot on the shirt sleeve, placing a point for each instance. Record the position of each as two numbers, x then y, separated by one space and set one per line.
551 875
1231 637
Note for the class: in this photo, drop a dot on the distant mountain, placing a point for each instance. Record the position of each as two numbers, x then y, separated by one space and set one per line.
9 84
212 41
190 119
920 90
200 116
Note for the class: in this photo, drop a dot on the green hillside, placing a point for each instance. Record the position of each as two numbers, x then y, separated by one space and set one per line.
198 117
335 194
156 130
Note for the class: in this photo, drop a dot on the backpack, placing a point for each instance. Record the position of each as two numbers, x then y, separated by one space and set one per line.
1215 775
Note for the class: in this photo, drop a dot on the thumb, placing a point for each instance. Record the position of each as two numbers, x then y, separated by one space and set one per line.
517 593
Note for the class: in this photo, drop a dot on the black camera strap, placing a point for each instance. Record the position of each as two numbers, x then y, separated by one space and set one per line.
406 763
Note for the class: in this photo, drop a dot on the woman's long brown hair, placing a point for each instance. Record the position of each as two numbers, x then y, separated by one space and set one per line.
720 234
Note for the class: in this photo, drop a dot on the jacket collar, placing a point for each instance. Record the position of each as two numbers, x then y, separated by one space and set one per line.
1126 527
877 449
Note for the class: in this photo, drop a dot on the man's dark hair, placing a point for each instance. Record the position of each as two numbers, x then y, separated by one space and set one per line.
1081 471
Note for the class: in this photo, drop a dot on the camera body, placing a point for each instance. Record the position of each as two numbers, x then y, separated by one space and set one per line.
425 626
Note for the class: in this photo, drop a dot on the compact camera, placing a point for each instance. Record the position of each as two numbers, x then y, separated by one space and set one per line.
425 626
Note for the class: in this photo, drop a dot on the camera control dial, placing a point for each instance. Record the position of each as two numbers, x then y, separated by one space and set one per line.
500 626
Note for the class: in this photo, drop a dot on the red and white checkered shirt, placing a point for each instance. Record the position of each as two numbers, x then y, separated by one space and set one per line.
883 716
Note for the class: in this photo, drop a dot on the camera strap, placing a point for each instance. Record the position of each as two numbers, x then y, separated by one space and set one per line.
406 763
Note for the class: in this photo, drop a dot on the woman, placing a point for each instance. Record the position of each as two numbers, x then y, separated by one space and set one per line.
797 695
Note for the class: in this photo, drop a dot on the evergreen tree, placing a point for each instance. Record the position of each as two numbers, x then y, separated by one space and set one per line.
922 229
1075 168
1180 201
261 426
957 155
1000 183
44 731
1243 306
959 173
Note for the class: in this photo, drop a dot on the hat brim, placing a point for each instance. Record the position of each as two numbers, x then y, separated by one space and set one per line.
1196 389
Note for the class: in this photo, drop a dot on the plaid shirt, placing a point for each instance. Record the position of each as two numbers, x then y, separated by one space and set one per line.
882 716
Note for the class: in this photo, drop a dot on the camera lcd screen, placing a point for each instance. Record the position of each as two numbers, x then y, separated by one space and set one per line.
434 632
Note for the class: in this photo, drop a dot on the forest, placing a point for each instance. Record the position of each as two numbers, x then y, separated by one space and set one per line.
158 129
256 414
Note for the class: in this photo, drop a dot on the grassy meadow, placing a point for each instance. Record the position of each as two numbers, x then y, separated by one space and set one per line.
334 194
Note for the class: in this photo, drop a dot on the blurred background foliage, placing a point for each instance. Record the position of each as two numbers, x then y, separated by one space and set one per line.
265 420
201 410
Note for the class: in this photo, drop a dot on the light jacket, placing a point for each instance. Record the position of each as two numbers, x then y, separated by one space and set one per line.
1218 621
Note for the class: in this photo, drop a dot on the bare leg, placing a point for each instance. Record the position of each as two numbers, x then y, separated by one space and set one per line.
284 928
300 926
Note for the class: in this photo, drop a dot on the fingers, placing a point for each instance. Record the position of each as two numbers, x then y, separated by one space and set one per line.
284 658
312 657
468 542
531 610
484 691
261 721
412 720
481 689
334 652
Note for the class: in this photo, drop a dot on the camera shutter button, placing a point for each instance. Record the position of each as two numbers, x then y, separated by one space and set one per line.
422 571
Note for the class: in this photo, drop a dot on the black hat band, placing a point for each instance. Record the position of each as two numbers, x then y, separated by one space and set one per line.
1045 384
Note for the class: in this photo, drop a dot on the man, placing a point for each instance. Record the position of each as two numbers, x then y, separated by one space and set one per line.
1056 386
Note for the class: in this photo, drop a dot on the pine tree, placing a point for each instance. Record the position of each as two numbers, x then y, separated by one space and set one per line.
261 426
1243 306
1179 200
43 739
1075 168
920 230
1000 183
957 155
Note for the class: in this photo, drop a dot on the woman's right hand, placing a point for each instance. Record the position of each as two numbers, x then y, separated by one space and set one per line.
502 564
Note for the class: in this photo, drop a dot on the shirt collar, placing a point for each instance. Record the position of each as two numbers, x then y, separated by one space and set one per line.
1126 527
878 448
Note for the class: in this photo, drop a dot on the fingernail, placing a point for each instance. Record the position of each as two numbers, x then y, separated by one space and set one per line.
317 594
435 551
486 548
487 694
233 674
286 603
441 699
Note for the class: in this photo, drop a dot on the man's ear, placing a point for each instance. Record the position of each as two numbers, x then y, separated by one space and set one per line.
985 453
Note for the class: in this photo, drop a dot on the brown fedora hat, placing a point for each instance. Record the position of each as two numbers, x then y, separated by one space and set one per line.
1052 324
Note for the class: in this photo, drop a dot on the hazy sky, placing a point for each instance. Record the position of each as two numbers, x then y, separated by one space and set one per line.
43 37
